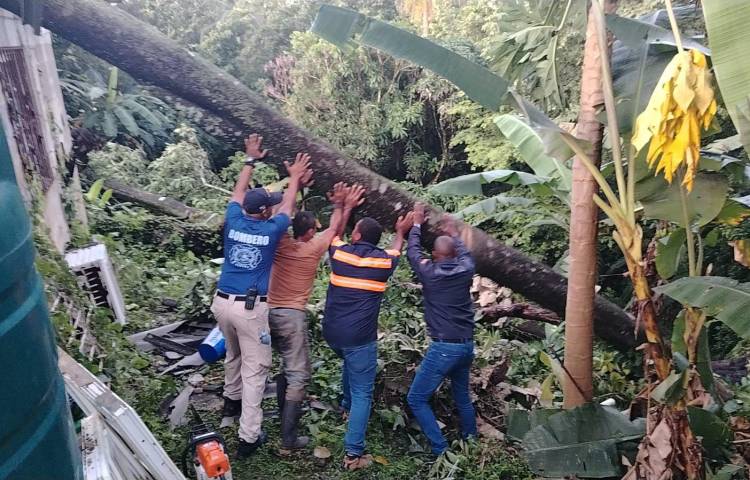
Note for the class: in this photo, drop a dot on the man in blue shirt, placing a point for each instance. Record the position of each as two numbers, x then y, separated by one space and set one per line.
251 233
449 313
359 273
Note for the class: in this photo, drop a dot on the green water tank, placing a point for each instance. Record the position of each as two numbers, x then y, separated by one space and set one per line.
37 439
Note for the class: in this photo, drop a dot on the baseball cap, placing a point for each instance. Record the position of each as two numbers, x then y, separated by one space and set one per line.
258 199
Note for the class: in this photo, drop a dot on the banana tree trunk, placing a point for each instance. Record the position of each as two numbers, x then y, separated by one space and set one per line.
578 386
151 57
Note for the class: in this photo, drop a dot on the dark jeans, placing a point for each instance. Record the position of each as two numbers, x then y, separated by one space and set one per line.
451 360
289 337
357 382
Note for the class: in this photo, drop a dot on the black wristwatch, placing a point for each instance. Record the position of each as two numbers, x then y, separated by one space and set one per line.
250 161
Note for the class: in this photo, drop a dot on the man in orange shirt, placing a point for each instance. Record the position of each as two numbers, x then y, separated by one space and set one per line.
292 276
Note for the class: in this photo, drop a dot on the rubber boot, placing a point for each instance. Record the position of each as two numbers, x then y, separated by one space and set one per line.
290 416
280 391
232 408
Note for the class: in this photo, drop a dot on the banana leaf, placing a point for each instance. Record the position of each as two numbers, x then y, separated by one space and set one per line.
531 148
109 124
643 49
580 442
734 210
671 389
488 206
670 252
471 184
725 299
126 120
634 32
342 27
661 200
714 432
727 26
520 422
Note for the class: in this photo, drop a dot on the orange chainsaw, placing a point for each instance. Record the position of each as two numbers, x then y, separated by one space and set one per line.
207 449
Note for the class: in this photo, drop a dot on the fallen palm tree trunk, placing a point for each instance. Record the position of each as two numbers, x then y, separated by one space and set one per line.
149 56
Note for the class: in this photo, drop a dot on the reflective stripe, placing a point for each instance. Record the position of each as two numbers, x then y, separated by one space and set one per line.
336 242
358 261
357 283
394 253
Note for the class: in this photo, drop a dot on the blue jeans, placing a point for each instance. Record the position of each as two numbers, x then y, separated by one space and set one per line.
358 382
451 360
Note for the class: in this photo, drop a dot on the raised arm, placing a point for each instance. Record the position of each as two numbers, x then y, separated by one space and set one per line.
354 198
337 197
414 245
344 199
297 171
403 224
253 152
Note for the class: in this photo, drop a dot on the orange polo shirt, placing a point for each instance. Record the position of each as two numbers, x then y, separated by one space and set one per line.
293 272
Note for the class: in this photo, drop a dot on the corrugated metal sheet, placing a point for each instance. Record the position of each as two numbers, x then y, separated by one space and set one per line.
14 81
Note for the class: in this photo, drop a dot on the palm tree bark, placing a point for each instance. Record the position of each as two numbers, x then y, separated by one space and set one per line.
151 57
578 387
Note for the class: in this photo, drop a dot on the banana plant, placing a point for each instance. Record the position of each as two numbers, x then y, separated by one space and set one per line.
673 151
110 111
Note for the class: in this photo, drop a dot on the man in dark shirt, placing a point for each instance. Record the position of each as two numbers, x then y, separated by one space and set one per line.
446 280
359 273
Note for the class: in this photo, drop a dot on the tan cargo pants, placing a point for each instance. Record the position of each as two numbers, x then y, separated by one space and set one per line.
248 359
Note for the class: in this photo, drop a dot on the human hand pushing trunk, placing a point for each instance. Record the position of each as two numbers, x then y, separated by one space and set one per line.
403 225
298 171
253 148
419 213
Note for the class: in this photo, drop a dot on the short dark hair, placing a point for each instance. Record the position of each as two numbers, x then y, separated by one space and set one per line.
370 229
303 222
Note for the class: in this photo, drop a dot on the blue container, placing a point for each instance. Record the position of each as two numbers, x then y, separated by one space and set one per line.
37 439
213 346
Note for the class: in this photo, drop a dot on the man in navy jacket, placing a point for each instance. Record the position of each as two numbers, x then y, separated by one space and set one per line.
449 313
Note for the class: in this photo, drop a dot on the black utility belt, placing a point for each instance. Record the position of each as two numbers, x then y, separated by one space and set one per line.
452 340
239 298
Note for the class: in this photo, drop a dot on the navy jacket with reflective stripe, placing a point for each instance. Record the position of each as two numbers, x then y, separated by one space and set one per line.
355 292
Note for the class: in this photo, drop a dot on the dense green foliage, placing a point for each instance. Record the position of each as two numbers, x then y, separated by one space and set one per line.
401 121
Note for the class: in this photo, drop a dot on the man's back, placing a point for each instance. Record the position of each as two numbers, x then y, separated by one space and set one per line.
446 285
294 269
249 246
359 273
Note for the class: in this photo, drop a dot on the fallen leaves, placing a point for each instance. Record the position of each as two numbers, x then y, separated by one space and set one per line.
321 452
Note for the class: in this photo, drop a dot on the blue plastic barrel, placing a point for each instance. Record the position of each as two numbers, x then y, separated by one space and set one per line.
37 439
213 346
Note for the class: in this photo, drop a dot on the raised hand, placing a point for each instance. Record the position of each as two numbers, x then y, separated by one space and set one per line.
337 196
298 169
355 196
307 180
419 215
253 146
404 223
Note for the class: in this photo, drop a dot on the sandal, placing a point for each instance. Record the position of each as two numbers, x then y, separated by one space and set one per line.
356 462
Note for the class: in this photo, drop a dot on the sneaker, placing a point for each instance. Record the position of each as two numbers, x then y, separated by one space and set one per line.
357 462
232 408
245 449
